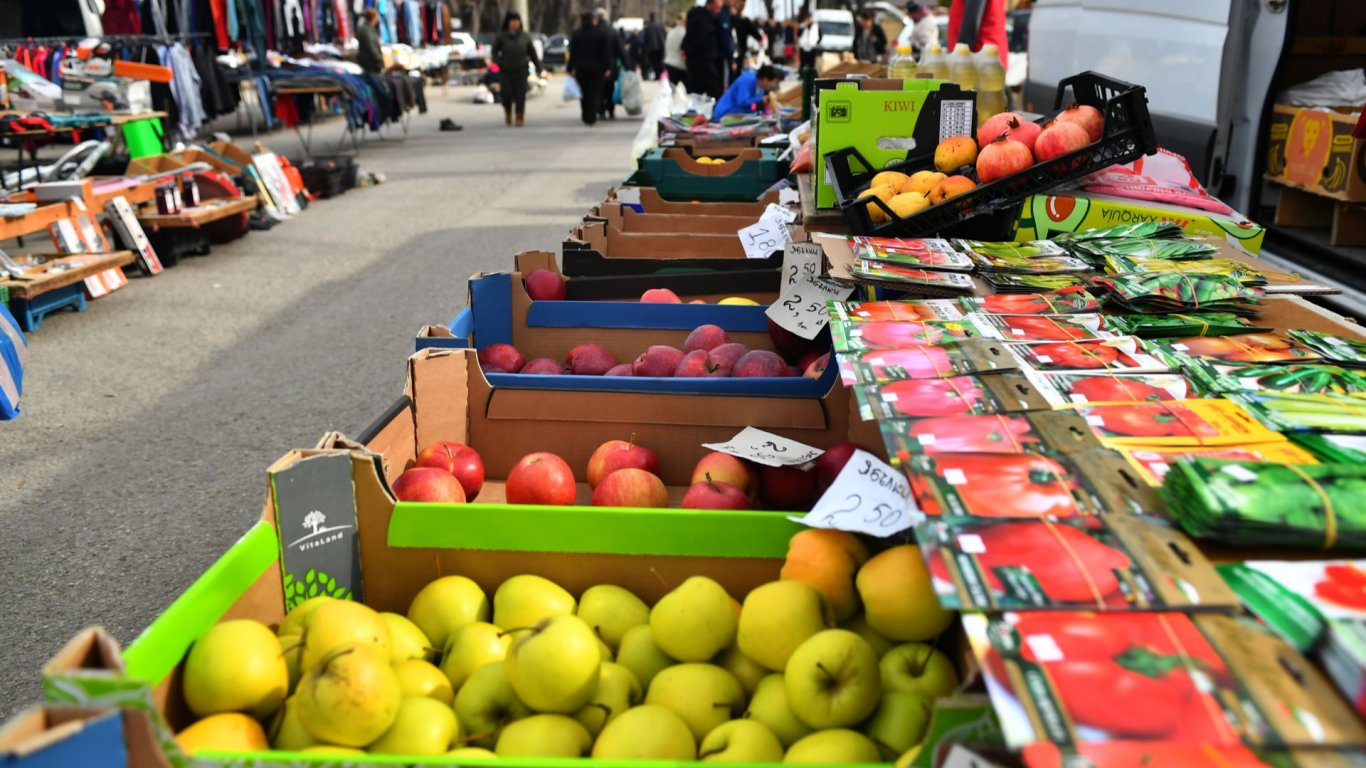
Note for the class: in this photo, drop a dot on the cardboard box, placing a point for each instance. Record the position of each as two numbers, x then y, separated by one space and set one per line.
1043 216
145 166
885 120
648 200
1313 149
597 248
760 285
629 221
62 738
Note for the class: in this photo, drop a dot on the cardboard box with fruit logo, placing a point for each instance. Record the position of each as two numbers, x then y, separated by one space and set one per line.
1313 149
648 347
1043 216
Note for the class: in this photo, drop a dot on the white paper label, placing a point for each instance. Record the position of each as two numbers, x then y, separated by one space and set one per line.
778 212
1044 648
926 439
628 195
802 309
789 196
1045 359
955 119
972 544
1078 398
955 476
801 261
868 496
765 236
1095 420
766 448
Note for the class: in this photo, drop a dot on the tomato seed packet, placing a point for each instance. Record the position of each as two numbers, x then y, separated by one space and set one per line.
1238 348
925 362
1153 463
911 252
912 279
1075 678
1200 422
1307 378
949 396
1040 328
1159 753
1065 301
1122 354
1340 349
897 311
1065 389
859 337
1034 432
1115 563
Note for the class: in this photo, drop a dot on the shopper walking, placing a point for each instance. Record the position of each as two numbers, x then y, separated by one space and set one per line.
870 41
514 54
673 53
655 39
725 34
808 39
369 54
589 65
702 49
617 59
745 30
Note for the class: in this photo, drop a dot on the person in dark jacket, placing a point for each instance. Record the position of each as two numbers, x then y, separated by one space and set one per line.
655 36
870 41
589 64
702 50
617 57
514 54
369 55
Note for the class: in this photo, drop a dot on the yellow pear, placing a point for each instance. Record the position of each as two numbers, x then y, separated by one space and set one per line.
351 697
236 666
340 623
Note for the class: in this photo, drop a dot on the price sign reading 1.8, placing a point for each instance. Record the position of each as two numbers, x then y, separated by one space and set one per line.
764 237
868 496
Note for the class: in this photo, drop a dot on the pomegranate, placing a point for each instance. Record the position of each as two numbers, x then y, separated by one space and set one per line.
1088 117
1002 157
1009 123
1059 138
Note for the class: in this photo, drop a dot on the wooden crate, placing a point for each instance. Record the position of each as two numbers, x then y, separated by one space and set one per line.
1345 221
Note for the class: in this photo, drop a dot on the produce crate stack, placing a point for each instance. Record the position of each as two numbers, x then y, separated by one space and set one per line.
714 483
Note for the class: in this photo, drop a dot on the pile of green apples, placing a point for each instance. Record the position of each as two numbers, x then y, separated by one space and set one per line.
832 663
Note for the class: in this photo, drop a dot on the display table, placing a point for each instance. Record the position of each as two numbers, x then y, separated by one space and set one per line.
43 289
825 220
194 218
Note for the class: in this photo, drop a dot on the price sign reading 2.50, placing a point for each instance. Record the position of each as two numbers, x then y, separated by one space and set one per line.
868 496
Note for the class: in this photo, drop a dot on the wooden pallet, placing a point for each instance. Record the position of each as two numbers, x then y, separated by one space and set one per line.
1345 221
194 218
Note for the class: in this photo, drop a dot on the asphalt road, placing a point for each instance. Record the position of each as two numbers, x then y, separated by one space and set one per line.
148 422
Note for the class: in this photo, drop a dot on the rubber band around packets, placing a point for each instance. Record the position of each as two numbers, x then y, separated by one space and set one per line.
1330 518
1204 326
1207 702
1077 561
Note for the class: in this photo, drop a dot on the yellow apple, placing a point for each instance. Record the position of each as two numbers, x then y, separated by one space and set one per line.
423 726
833 747
351 697
471 647
421 678
695 621
618 691
898 597
406 639
704 695
610 611
445 605
647 732
833 680
555 666
769 706
522 601
741 741
486 704
779 616
642 655
341 623
544 736
237 665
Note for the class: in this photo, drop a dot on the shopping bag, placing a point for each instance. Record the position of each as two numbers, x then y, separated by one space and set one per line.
616 88
572 91
631 97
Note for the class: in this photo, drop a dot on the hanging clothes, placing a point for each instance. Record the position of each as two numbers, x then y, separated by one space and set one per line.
185 88
412 16
292 32
253 19
122 17
234 30
388 21
343 17
219 13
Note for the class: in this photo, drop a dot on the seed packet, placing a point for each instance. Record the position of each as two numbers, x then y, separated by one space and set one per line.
1061 302
1038 265
1298 412
911 252
1177 423
1157 753
1308 378
881 311
1154 462
911 279
1237 348
1047 432
954 395
1123 354
1071 678
1031 249
1343 350
1039 328
1098 249
1153 230
1114 563
1332 449
1118 265
1168 292
1011 283
1180 325
1066 389
926 362
1029 485
859 337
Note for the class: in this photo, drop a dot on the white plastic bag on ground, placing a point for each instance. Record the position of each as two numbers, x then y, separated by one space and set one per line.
631 97
572 92
647 137
1346 88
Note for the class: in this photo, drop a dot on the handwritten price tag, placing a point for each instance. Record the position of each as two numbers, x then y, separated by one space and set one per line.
768 234
766 448
801 261
802 309
777 212
868 497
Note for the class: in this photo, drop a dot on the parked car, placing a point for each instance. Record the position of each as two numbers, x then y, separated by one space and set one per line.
463 44
837 29
538 42
556 51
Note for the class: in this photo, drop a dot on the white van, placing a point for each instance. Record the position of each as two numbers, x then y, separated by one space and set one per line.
837 29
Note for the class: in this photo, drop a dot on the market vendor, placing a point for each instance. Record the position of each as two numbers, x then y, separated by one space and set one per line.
748 93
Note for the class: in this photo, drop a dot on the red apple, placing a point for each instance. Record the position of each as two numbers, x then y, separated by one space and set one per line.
714 494
729 353
759 363
501 358
660 296
462 461
621 369
589 359
728 469
631 487
817 367
830 463
428 484
541 478
658 360
700 363
787 488
544 285
706 337
543 366
619 454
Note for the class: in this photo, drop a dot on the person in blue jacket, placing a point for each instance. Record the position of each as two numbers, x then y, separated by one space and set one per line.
748 93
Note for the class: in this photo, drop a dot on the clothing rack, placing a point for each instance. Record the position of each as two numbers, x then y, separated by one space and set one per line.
115 40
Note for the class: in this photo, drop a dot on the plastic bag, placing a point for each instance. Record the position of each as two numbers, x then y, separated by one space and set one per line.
572 91
631 97
1165 177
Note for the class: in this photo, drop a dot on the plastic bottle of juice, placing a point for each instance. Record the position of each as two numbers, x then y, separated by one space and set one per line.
903 65
991 83
962 69
934 63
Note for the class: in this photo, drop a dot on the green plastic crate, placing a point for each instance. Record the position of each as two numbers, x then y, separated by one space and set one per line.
678 176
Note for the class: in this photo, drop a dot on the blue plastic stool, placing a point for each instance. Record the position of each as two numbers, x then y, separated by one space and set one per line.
30 312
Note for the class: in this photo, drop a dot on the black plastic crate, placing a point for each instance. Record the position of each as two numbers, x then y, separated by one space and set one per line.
328 176
1128 135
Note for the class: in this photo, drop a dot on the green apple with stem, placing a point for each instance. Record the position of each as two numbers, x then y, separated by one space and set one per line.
486 704
555 666
833 747
779 616
642 655
406 639
423 727
647 732
611 610
544 736
421 678
918 668
769 706
833 680
446 605
351 697
524 600
741 741
695 621
618 691
704 695
471 647
898 723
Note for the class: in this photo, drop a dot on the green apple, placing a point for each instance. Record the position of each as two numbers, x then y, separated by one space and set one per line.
607 653
286 732
769 706
704 695
471 647
555 666
421 678
292 647
351 697
918 668
423 727
743 667
293 623
859 626
486 703
406 639
339 623
898 723
741 741
523 601
647 732
239 666
833 679
777 617
446 605
642 655
618 691
695 621
836 746
471 752
544 736
909 756
328 749
610 611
